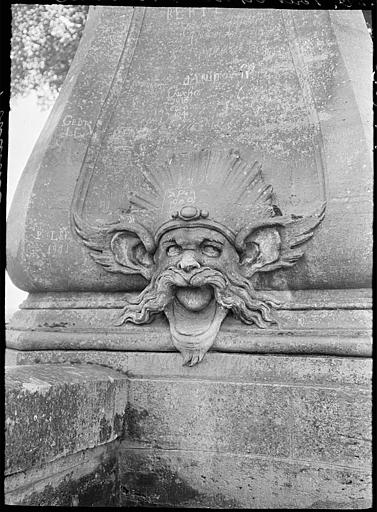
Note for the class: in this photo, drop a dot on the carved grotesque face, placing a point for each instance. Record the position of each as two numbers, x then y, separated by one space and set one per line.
194 315
190 249
199 261
197 280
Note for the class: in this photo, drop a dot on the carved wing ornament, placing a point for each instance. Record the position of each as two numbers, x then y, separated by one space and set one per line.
198 229
120 247
278 241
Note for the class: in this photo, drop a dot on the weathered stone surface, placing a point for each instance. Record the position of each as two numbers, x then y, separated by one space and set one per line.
237 431
91 319
270 419
76 320
86 479
56 410
197 478
336 322
157 340
322 371
215 416
40 246
277 85
332 425
258 432
359 298
273 405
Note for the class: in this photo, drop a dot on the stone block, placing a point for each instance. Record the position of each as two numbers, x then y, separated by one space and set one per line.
332 425
237 431
317 420
249 432
87 479
56 410
197 478
215 416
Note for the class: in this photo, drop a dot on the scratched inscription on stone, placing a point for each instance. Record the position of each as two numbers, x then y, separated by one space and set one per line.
58 248
176 198
212 79
190 13
76 127
57 240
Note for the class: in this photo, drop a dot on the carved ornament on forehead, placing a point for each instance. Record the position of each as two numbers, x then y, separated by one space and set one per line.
190 213
196 284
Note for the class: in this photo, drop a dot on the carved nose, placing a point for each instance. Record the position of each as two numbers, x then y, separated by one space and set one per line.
188 263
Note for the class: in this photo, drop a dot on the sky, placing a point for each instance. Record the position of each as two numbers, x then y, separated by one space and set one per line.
26 121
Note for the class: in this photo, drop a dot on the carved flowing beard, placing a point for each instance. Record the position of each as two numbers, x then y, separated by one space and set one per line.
193 332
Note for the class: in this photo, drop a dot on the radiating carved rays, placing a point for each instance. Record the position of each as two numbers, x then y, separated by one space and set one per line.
230 182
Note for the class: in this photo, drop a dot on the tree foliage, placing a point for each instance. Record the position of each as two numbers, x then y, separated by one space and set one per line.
44 42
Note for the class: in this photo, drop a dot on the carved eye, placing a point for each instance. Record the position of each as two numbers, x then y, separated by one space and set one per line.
173 250
211 250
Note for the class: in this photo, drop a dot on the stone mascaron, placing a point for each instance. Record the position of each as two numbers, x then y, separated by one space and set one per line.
200 228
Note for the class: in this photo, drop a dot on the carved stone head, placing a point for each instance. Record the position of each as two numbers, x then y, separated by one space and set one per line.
198 229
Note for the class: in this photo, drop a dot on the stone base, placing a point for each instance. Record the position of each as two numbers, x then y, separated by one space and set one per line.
88 478
222 480
236 431
62 424
328 322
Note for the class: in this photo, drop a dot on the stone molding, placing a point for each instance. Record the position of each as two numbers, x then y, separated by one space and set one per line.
332 322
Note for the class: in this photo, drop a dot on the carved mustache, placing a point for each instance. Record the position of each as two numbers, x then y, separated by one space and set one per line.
198 277
231 291
160 292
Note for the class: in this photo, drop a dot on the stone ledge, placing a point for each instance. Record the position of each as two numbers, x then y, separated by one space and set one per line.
317 371
56 410
87 478
358 298
328 322
341 342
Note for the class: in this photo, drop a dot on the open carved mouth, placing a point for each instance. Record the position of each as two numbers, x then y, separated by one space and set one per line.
194 298
195 318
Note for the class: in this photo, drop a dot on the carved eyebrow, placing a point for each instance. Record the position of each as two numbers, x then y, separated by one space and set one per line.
169 241
212 240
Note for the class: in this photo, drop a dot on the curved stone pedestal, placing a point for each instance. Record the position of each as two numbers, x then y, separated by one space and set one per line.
99 414
290 88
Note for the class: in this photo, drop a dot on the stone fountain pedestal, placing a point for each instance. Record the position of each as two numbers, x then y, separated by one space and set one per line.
99 414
